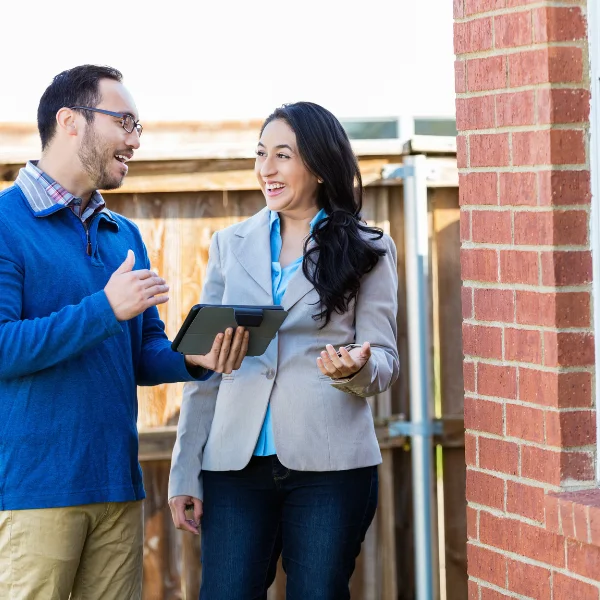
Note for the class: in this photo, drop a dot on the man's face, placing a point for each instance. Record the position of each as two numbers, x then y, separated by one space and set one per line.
105 139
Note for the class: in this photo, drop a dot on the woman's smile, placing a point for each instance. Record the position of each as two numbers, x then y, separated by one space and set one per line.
274 188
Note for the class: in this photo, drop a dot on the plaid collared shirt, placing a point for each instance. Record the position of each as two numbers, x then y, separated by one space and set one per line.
43 192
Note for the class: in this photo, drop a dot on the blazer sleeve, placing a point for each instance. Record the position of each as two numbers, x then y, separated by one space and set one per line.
376 312
198 402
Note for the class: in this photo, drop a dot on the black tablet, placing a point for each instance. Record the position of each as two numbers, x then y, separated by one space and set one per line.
205 321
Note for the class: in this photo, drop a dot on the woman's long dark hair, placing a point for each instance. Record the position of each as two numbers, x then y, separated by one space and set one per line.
342 253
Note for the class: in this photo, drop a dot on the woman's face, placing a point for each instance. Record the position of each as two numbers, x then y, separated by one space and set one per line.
284 179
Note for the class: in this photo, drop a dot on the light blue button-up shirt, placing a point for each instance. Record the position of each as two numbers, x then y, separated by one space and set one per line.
265 446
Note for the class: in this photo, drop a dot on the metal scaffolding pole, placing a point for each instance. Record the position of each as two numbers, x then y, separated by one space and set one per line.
420 427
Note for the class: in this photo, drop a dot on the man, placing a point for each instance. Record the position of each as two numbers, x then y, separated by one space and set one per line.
79 329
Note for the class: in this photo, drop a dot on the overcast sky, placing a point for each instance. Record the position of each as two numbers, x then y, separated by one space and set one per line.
196 60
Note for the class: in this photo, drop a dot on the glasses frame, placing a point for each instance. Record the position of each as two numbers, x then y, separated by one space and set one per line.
123 116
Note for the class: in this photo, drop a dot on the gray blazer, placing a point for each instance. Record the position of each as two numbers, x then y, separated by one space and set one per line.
319 424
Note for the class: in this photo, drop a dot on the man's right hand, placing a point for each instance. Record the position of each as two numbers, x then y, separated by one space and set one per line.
131 292
178 506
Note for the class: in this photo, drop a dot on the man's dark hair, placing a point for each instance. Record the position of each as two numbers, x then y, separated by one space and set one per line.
78 86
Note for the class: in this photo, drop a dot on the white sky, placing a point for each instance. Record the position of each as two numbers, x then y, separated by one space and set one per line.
198 60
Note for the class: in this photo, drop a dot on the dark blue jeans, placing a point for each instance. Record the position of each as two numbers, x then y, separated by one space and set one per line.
316 521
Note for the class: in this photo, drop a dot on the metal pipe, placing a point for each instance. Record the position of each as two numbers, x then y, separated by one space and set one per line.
416 225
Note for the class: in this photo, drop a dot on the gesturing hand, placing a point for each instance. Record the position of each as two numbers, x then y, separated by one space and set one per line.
227 352
344 364
178 506
131 292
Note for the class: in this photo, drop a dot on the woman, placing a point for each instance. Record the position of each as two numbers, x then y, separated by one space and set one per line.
280 456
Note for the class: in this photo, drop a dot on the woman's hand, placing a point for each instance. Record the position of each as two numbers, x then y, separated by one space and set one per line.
178 506
344 364
227 353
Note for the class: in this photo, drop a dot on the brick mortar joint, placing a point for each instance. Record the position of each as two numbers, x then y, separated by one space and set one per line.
505 402
546 85
541 485
532 248
581 126
537 168
523 365
535 367
581 44
527 327
508 208
505 514
516 596
524 208
523 287
522 9
522 443
531 562
494 588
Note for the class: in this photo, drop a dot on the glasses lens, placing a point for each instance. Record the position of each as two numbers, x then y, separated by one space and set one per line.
128 123
139 129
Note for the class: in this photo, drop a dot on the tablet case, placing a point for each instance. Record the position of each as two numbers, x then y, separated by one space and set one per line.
204 322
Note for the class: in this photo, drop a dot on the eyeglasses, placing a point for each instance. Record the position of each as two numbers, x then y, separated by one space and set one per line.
127 121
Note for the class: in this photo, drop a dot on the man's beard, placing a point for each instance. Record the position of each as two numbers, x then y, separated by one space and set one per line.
96 159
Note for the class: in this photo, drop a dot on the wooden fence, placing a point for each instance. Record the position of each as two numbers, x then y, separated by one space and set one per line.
177 228
178 205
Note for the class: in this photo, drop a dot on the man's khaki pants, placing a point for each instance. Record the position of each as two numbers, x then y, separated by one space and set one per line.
90 552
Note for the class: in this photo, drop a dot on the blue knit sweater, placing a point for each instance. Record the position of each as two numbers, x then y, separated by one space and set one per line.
68 368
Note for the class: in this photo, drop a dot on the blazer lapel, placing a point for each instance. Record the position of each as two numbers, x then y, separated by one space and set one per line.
252 248
297 288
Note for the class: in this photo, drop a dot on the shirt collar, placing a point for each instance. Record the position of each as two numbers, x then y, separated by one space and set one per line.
58 195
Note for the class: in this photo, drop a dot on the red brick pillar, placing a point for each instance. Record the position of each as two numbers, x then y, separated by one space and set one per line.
523 152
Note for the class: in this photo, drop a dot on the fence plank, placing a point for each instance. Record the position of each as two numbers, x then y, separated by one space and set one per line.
446 225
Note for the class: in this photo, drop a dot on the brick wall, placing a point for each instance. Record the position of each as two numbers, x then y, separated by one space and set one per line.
522 106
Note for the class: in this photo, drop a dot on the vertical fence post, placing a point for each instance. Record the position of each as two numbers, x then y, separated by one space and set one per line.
417 276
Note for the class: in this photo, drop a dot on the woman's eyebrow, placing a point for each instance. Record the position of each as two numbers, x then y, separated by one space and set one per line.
279 146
